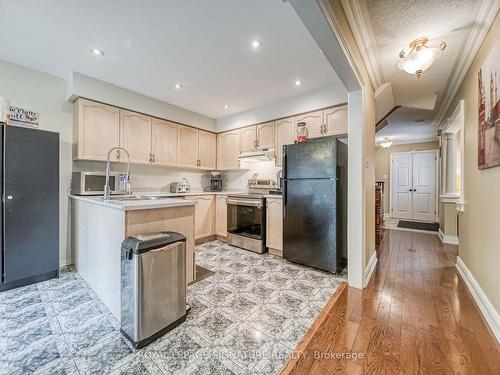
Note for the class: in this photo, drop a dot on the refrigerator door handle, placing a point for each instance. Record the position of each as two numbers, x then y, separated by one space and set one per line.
284 198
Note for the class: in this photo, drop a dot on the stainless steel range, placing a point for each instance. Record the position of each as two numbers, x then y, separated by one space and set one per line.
246 216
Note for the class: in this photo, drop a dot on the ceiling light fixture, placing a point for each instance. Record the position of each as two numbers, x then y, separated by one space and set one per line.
386 143
420 57
256 44
226 106
177 85
298 82
97 52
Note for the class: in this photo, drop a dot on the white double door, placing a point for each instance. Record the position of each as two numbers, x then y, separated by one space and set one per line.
413 185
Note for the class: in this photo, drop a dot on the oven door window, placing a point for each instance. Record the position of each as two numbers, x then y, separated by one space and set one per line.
244 220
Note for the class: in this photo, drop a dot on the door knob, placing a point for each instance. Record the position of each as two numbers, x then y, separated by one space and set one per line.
10 197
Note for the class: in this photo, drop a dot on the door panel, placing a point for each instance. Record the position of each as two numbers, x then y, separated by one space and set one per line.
207 149
336 120
284 136
135 134
188 147
164 142
402 185
31 231
310 224
248 139
228 149
424 186
313 159
314 123
265 135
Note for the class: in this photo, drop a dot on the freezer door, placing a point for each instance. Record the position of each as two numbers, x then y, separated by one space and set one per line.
31 207
310 223
313 159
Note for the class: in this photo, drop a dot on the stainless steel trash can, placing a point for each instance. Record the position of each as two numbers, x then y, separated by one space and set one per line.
153 285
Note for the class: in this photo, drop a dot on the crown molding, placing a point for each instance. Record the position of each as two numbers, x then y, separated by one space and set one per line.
410 142
361 29
484 20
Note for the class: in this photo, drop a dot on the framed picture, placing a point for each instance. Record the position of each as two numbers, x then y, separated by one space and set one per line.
489 111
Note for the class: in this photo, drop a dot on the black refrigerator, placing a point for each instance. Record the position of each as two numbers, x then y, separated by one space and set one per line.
315 203
29 223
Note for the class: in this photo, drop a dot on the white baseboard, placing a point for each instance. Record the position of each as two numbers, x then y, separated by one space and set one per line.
445 238
370 268
490 314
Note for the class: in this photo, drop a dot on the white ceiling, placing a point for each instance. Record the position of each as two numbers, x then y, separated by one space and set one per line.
394 24
149 46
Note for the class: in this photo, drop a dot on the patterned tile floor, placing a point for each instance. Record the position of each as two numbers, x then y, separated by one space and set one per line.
246 318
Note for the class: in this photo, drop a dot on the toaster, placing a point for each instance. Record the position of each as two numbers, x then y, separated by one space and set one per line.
180 187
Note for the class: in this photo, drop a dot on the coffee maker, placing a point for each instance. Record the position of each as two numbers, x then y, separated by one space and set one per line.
215 181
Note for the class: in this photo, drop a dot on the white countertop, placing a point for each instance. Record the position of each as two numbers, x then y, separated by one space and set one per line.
169 201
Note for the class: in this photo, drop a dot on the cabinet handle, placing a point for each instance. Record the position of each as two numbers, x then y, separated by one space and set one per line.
154 158
257 141
118 154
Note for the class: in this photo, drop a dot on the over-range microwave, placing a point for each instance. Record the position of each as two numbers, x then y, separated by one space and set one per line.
92 183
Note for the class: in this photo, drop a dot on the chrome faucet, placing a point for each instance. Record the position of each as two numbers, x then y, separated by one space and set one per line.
107 189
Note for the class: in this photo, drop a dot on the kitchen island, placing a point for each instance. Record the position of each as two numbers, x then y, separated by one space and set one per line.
99 228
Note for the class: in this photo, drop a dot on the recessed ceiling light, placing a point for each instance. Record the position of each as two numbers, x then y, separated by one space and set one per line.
97 52
226 106
177 85
298 82
256 44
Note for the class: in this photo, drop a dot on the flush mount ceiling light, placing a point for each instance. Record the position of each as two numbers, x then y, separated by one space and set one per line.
256 44
226 106
177 85
97 52
386 143
420 57
298 82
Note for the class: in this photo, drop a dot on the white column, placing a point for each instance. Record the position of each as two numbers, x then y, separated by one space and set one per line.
450 164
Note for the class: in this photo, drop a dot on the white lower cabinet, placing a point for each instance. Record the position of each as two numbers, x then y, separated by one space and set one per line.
274 226
203 215
221 215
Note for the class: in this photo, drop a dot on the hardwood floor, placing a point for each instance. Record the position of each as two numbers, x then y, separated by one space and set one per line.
415 317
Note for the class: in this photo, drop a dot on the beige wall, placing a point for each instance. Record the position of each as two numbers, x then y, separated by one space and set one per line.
383 163
448 218
480 223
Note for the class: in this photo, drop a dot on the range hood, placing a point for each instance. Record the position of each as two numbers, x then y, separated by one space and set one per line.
265 154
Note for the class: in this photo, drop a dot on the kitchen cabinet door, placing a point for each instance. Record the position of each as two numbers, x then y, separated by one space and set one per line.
221 215
97 129
207 154
274 230
228 150
335 120
203 215
135 136
248 138
265 135
314 123
187 147
164 143
285 132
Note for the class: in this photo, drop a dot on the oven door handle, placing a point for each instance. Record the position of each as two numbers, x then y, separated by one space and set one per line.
245 202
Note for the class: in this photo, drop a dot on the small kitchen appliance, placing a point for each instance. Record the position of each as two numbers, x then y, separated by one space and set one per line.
180 187
215 181
301 132
92 183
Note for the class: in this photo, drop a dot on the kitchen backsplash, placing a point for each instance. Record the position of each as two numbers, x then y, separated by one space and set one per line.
159 179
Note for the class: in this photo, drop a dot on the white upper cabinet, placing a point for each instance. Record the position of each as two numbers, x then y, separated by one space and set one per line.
314 123
164 143
135 136
285 135
335 120
228 149
96 130
248 138
265 135
188 147
207 155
